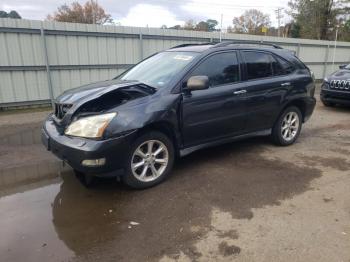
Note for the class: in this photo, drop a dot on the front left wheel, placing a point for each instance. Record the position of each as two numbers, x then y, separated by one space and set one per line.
149 161
85 179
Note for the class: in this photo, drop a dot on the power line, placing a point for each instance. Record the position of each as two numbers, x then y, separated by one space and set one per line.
279 16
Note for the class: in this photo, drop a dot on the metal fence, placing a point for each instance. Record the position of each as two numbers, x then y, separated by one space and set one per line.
41 59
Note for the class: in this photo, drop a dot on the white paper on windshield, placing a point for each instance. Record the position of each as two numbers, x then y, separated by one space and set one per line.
183 57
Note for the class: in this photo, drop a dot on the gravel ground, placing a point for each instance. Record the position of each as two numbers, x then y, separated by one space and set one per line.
245 201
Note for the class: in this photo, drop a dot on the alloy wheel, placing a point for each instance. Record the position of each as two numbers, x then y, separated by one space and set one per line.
149 161
290 126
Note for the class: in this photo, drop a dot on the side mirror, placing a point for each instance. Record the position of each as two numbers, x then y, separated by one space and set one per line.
342 66
198 83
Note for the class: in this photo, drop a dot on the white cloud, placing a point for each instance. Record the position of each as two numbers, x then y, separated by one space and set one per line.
149 15
230 9
152 12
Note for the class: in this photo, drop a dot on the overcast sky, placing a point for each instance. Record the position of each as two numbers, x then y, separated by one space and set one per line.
153 13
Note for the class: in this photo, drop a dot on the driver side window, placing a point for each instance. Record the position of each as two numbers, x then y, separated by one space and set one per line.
221 69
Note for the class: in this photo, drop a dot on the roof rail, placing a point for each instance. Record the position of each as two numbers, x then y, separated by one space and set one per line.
237 42
184 45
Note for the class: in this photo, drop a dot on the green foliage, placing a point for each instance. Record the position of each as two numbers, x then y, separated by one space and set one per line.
318 19
295 30
212 24
13 14
347 25
207 26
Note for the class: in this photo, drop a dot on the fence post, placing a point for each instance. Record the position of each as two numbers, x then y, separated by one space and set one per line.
141 46
298 50
47 65
325 62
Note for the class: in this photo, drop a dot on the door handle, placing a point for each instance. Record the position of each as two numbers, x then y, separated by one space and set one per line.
286 84
240 92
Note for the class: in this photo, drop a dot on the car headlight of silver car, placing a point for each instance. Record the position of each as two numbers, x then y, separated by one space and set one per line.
91 126
325 84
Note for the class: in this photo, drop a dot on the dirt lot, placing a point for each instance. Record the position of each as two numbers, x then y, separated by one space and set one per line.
246 201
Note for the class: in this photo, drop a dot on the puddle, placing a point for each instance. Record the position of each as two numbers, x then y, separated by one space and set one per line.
26 230
65 220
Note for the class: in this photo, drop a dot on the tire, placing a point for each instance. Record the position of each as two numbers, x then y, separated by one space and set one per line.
86 180
327 104
150 160
285 132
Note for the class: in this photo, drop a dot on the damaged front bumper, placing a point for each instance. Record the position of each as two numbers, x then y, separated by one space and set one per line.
104 156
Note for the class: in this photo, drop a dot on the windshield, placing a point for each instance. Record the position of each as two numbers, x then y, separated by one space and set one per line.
158 70
347 67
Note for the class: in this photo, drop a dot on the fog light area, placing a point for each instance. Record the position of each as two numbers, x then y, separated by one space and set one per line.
94 162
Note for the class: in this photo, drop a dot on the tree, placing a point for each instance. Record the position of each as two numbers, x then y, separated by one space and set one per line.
207 26
251 22
3 14
318 19
295 30
291 29
212 24
89 13
202 26
13 14
189 25
177 27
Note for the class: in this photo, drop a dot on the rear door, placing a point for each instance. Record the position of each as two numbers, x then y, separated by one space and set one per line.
267 85
216 112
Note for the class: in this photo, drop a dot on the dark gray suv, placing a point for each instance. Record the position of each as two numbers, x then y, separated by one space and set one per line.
336 87
178 101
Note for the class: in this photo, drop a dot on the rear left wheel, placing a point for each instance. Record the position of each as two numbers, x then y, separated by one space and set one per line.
288 126
150 160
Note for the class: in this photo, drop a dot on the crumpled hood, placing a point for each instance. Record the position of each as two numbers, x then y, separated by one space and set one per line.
97 98
81 93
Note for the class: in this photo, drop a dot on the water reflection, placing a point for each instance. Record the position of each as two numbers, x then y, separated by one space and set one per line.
26 230
82 217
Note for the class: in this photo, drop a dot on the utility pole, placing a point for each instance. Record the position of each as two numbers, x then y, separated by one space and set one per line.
94 7
335 46
221 27
279 16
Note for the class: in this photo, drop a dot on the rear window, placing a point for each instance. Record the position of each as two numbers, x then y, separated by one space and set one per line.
258 64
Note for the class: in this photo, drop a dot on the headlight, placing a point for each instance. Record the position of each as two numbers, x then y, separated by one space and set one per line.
312 75
90 127
326 80
325 85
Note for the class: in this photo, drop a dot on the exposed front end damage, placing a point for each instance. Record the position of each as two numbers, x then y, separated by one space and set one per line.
134 106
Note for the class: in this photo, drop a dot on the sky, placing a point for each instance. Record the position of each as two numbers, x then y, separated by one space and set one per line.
154 13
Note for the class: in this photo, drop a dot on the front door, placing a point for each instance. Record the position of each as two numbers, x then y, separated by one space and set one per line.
217 112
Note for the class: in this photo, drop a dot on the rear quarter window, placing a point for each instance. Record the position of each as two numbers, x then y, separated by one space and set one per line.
281 66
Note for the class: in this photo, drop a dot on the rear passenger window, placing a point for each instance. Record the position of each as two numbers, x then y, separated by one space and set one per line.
281 66
258 64
220 68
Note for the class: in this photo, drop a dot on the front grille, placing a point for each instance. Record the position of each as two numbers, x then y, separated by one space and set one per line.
61 110
340 85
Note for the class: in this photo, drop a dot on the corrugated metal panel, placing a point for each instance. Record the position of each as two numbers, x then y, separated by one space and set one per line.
79 54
